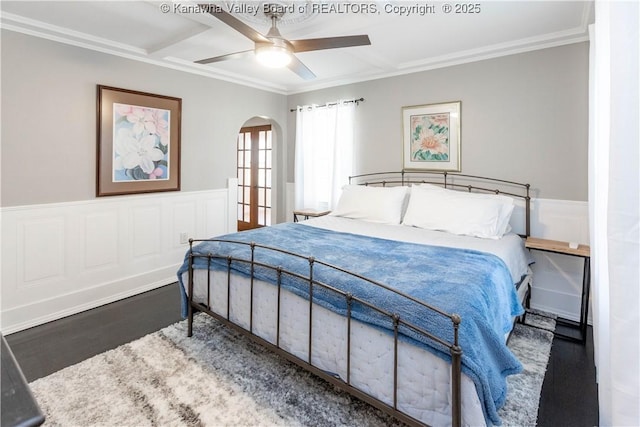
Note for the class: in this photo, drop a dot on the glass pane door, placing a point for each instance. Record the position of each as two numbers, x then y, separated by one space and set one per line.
254 177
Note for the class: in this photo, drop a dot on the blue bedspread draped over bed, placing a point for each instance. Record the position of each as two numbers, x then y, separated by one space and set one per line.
473 284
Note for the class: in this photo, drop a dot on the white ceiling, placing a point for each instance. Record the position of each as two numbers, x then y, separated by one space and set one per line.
400 43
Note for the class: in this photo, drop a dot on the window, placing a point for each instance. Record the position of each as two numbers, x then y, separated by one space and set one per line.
324 154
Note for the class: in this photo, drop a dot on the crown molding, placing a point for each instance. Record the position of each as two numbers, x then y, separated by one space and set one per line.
58 34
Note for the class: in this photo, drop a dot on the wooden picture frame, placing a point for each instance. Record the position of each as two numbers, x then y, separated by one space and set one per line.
138 142
431 137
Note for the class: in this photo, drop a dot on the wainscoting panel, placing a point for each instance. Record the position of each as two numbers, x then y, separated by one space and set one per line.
557 279
289 203
216 214
60 259
42 249
100 240
183 221
146 230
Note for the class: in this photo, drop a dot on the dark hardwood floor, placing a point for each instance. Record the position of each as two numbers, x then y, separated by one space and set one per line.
569 392
48 348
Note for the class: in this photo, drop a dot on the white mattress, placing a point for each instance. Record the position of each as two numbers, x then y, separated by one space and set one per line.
424 390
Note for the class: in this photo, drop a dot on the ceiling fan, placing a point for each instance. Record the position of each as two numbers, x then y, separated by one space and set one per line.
275 48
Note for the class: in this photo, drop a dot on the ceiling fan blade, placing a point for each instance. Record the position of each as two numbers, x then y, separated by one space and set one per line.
307 45
237 55
217 11
300 69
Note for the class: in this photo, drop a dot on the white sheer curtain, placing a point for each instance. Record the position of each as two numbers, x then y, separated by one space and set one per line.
614 204
324 154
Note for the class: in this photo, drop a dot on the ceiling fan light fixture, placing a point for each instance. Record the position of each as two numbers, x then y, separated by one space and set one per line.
273 56
273 50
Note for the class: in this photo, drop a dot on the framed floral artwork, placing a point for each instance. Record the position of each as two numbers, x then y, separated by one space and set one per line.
138 142
431 137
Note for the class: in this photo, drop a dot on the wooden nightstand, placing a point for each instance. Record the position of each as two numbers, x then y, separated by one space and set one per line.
582 251
308 213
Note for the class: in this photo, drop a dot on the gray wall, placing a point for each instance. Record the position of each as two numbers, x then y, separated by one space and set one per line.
49 118
524 117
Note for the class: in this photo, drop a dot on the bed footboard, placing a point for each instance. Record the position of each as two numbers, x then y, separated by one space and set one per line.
314 286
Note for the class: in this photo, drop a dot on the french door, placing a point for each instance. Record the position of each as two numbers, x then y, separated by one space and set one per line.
254 177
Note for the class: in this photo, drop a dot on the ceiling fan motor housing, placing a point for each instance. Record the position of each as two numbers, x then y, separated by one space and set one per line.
277 10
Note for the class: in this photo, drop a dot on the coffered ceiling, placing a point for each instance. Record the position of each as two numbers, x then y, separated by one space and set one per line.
406 36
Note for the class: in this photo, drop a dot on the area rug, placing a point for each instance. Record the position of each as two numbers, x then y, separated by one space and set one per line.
221 378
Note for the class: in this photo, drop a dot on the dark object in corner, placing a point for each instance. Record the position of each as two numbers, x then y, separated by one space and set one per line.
19 408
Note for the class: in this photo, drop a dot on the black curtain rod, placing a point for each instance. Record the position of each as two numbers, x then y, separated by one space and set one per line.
329 104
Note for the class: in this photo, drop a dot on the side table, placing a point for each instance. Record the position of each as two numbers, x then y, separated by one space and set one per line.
582 251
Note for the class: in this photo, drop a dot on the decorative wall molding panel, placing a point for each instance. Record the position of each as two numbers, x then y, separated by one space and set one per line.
64 258
557 279
289 203
61 259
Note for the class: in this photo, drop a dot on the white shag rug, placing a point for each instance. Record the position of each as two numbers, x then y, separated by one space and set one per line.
221 378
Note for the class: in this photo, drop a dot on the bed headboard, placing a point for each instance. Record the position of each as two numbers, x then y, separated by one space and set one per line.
453 181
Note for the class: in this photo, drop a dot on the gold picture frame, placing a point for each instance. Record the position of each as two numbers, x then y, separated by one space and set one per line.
138 142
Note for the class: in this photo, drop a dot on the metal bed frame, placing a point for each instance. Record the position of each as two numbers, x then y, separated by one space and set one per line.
445 179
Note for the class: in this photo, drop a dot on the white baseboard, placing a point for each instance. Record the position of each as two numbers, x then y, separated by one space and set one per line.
40 312
555 302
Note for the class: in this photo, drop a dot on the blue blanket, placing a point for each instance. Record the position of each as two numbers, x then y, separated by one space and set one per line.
473 284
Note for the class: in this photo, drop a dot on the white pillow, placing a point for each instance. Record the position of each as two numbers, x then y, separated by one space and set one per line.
506 201
458 212
373 204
